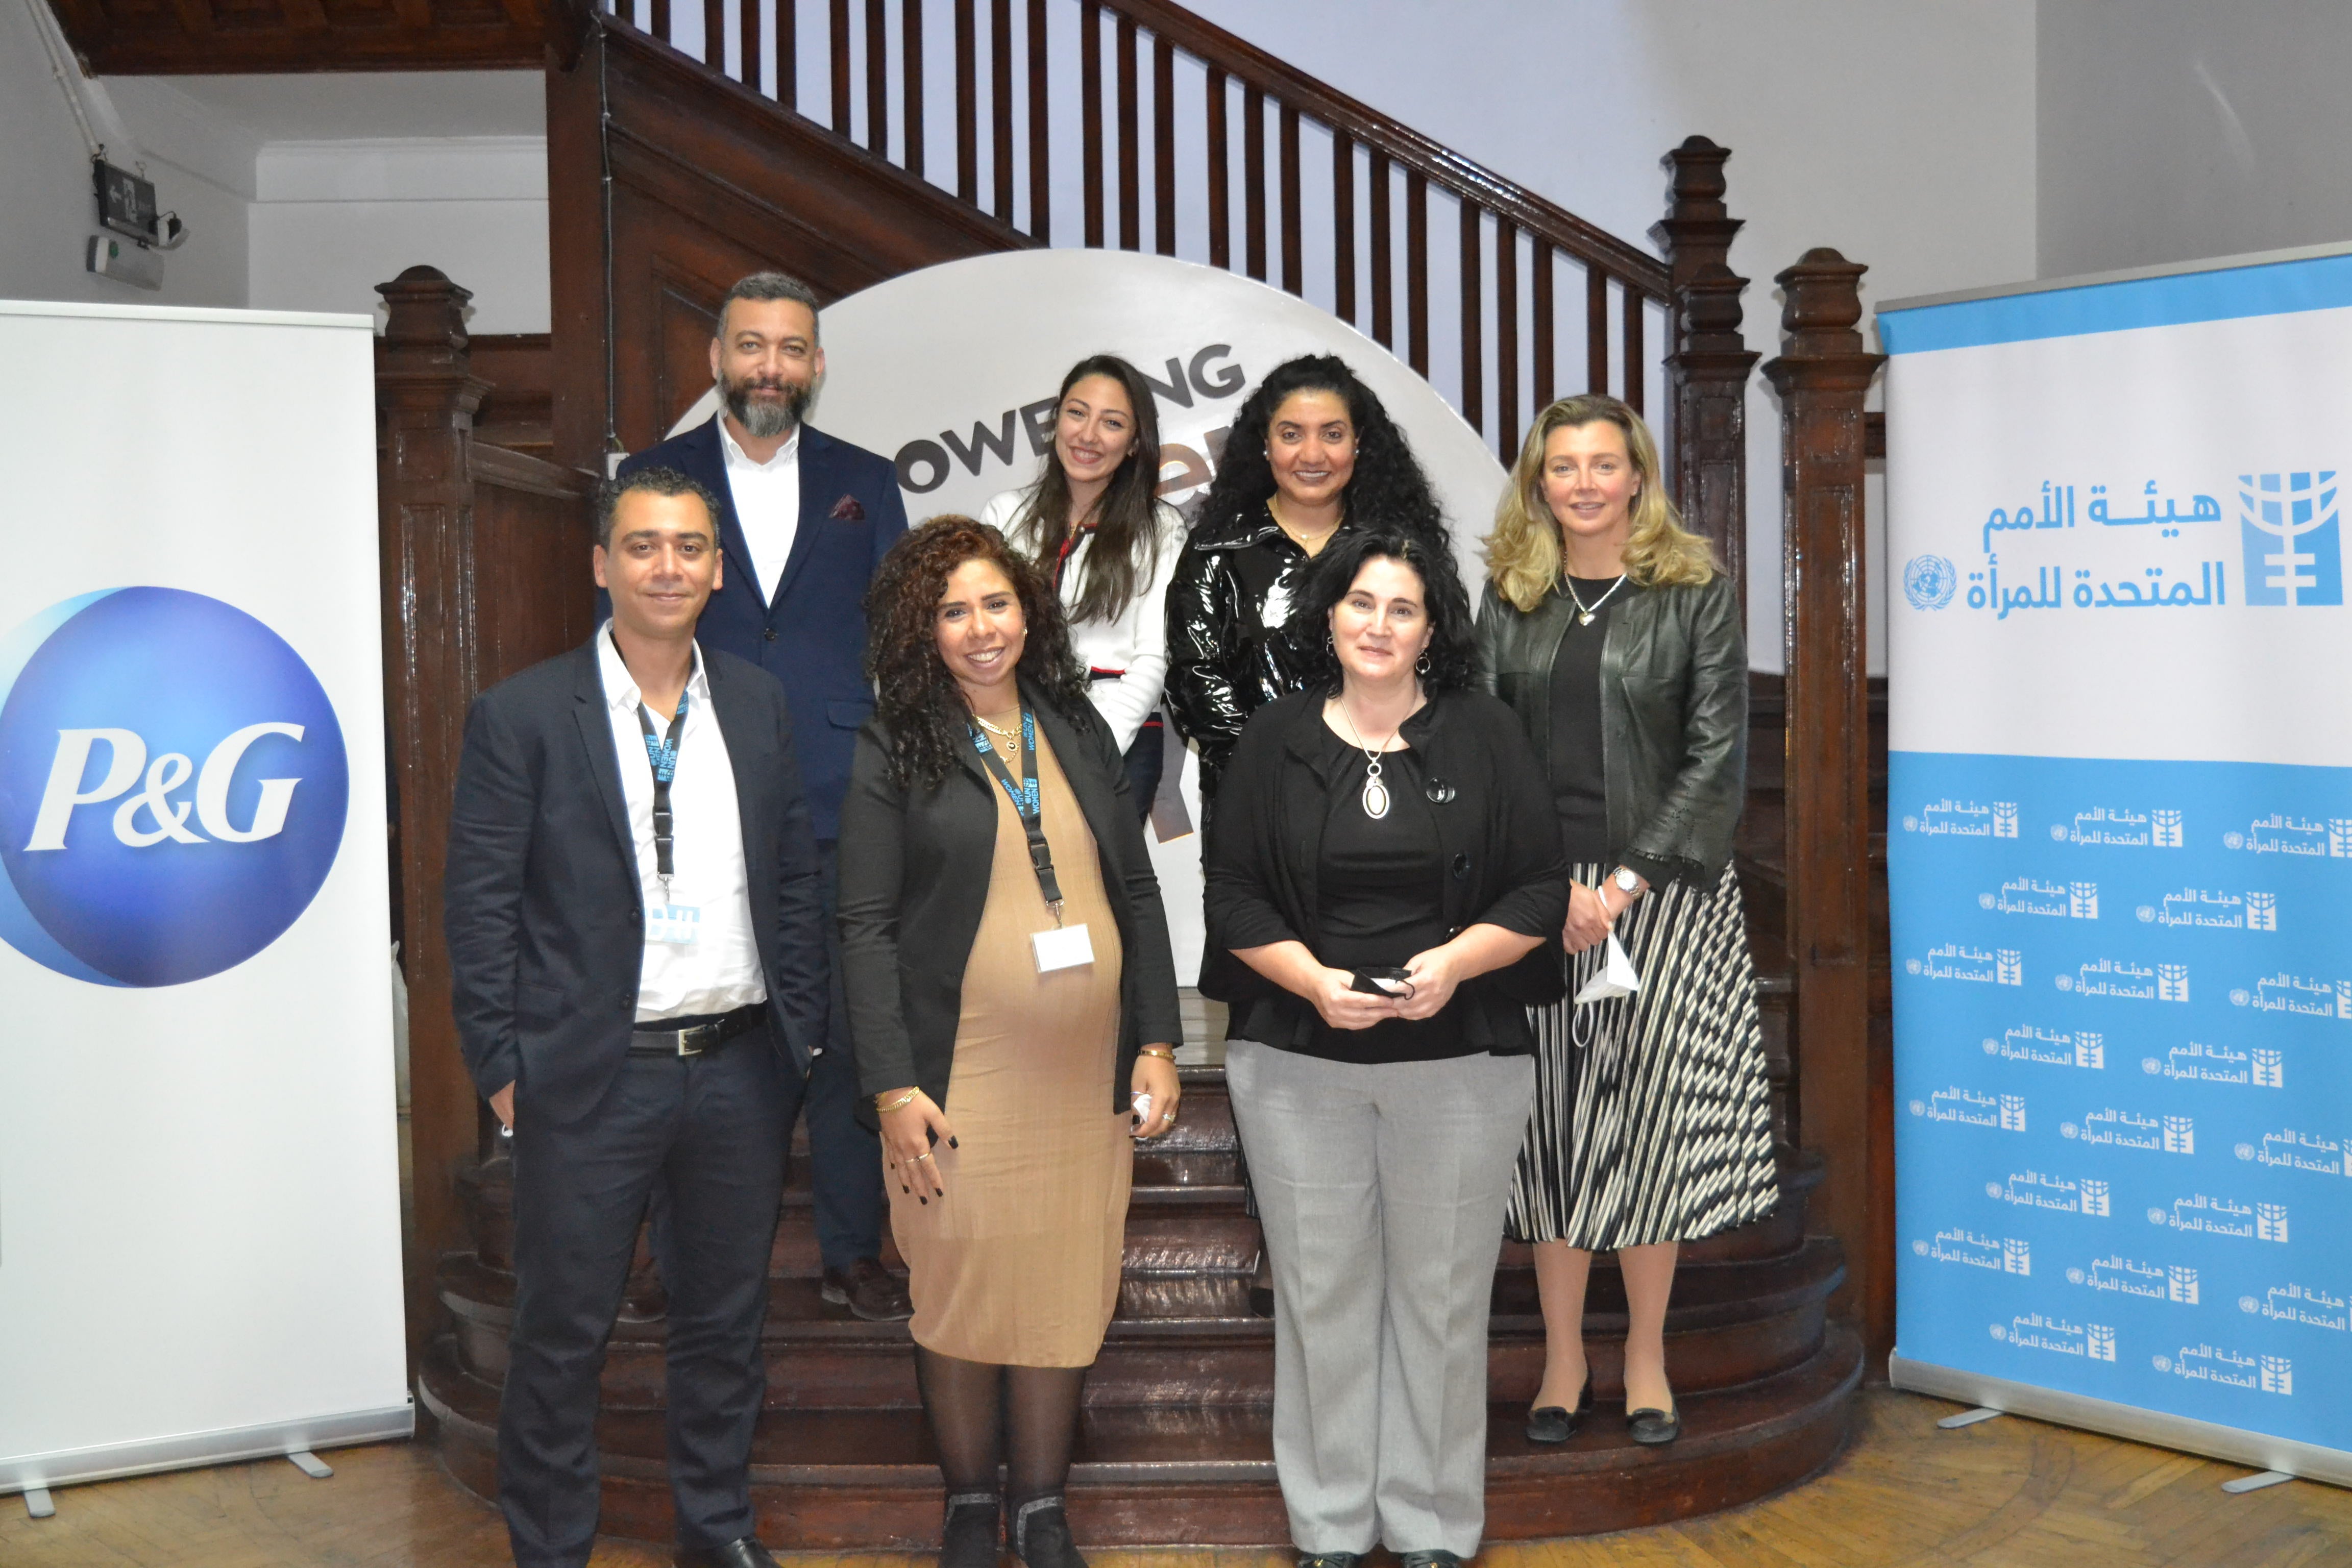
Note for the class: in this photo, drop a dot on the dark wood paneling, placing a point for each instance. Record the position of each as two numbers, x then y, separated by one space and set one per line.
519 411
710 181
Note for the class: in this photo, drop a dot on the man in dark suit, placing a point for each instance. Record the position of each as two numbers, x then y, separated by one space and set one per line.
639 972
803 519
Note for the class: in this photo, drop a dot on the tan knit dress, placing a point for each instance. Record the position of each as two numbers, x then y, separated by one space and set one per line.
1018 1265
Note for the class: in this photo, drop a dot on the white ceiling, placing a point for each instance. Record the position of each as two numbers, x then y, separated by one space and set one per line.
374 104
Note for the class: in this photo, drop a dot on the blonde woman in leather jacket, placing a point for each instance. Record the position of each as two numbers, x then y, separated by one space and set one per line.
1616 636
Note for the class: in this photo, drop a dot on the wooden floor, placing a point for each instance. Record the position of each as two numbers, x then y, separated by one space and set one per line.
2009 1493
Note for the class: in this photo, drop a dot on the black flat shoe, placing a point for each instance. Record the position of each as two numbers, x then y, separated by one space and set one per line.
1653 1428
1328 1558
1555 1423
974 1527
742 1552
1041 1534
1429 1560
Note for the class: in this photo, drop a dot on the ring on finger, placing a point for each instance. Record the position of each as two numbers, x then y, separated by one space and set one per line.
923 1156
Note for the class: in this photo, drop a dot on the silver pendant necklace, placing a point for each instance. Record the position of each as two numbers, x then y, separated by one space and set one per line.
1375 797
1584 612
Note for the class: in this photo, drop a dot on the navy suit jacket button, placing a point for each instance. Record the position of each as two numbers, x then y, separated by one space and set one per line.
770 633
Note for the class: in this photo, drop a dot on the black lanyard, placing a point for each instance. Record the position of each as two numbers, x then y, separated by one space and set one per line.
661 755
1027 803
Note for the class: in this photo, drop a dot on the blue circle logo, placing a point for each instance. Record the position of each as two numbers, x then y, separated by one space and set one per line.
172 787
1929 582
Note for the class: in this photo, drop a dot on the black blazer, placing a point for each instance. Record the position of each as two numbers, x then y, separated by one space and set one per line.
1496 827
915 866
541 898
812 636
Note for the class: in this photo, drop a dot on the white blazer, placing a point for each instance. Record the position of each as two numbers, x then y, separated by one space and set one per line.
1128 655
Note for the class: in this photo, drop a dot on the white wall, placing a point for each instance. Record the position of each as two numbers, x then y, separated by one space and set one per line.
2174 129
45 192
1903 137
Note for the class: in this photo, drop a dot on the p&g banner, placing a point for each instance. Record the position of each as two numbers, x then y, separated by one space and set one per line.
2119 854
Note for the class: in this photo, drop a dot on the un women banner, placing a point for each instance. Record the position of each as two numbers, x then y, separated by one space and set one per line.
2119 854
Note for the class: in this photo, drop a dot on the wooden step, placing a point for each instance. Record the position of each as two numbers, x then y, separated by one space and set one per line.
1190 1475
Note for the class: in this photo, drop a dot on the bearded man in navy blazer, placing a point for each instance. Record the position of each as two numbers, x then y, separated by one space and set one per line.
803 519
638 969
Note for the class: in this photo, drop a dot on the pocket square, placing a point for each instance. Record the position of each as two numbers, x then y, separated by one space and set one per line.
847 510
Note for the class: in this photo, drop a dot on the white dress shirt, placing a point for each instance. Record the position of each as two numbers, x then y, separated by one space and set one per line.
767 503
1135 644
719 970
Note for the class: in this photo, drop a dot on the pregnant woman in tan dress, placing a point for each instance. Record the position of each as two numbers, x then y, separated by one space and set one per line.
1012 1007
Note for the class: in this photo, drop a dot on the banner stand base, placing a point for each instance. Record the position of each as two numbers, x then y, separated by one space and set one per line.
2289 1459
2255 1483
1969 1417
34 1474
38 1503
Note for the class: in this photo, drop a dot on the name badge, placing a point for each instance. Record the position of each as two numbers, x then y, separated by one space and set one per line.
1063 949
677 925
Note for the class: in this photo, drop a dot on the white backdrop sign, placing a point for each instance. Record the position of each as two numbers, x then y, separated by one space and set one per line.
2120 855
199 1187
951 371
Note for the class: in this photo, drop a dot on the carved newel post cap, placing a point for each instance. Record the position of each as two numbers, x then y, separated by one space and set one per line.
1698 171
427 315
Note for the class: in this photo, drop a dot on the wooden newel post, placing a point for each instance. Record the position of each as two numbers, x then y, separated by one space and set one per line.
425 398
1707 371
1822 374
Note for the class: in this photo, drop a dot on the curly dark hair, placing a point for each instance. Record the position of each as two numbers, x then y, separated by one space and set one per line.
1453 649
1388 490
915 696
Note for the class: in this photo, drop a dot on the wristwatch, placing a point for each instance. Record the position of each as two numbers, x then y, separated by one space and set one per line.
1627 880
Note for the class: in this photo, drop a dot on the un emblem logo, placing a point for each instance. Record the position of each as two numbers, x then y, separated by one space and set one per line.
1929 582
2293 545
172 787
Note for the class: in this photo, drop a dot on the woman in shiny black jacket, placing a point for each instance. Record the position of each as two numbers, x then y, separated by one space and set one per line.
1312 452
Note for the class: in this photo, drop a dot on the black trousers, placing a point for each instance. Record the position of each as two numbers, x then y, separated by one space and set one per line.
709 1134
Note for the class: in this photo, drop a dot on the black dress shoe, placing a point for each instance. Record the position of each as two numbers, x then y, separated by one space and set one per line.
1261 1288
973 1528
1328 1558
1041 1534
1557 1424
1653 1428
868 1290
745 1553
1429 1560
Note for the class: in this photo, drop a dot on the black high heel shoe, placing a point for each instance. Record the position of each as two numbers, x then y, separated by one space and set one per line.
1555 1423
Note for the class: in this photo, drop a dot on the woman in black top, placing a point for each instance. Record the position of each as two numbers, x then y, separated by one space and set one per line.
1385 896
1312 453
1616 637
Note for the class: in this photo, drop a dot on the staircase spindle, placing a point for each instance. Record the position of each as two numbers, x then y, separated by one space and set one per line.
1090 118
1474 320
1163 145
1633 366
1221 174
1000 106
911 45
878 74
1416 271
967 68
749 71
714 34
1041 168
788 52
1540 263
1384 243
660 20
1507 337
1294 266
1343 227
1596 329
840 15
1254 181
1130 171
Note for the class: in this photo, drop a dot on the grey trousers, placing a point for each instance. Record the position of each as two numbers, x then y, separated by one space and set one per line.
1381 1190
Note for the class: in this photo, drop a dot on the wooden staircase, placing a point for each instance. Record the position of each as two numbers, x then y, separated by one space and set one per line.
1175 1447
668 180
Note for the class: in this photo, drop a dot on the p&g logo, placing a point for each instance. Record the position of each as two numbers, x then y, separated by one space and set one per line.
172 787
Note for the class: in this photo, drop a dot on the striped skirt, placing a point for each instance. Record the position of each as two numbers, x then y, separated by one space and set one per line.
1658 1126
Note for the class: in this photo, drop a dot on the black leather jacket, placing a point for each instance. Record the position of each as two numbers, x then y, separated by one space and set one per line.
1673 713
1224 662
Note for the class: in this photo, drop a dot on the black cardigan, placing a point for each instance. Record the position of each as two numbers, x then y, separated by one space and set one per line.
1496 823
914 867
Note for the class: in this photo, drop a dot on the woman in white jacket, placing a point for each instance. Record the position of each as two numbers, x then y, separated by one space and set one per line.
1093 519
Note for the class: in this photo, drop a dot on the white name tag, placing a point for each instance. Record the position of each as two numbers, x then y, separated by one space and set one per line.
677 925
1063 949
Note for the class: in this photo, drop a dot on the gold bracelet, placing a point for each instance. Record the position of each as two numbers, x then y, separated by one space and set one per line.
1164 1053
898 1104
